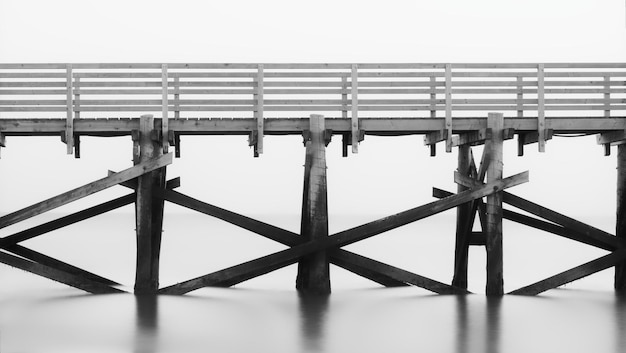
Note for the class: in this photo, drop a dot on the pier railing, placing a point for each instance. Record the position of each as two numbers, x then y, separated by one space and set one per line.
339 90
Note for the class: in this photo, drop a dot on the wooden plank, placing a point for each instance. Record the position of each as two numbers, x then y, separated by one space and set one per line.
165 127
603 243
271 232
354 83
69 122
346 260
573 274
607 96
471 138
433 97
448 98
541 115
56 275
245 271
613 137
58 265
260 106
83 191
552 216
67 220
398 274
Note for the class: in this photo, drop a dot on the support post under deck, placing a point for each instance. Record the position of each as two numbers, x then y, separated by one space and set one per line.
495 121
620 227
462 221
313 270
148 210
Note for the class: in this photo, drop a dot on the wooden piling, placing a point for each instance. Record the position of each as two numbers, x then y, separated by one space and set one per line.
313 270
462 220
620 228
495 121
148 210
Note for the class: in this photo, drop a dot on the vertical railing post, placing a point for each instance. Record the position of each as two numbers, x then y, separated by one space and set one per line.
607 96
259 111
344 114
495 121
69 122
520 97
164 102
433 96
448 123
541 110
354 126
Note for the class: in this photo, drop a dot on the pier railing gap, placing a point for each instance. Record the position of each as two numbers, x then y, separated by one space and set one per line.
450 103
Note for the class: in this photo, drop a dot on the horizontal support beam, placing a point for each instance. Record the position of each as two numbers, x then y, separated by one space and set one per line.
84 191
573 274
612 137
295 126
269 263
56 275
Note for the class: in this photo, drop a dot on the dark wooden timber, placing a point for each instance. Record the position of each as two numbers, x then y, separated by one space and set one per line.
495 282
57 275
464 217
148 210
313 270
620 228
263 265
573 274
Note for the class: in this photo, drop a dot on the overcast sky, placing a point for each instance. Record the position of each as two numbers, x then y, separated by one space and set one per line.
388 175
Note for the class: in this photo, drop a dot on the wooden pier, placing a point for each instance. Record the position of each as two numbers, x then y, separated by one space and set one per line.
456 106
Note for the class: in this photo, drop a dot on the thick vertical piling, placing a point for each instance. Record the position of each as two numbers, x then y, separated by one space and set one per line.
313 270
463 214
495 122
148 209
620 227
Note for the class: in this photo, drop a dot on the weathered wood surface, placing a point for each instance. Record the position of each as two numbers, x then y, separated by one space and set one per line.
620 224
464 218
609 243
57 275
269 263
295 126
84 191
148 209
48 261
573 274
400 275
313 270
493 231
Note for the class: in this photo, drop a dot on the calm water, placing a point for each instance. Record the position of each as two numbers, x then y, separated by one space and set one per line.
267 315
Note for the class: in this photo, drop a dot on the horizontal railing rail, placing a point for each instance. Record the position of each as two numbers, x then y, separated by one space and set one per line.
349 90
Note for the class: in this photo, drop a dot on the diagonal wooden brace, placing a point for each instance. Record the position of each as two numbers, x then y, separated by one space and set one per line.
84 191
57 275
578 272
245 271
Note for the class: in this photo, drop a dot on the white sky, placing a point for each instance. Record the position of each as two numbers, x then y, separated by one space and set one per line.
388 175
